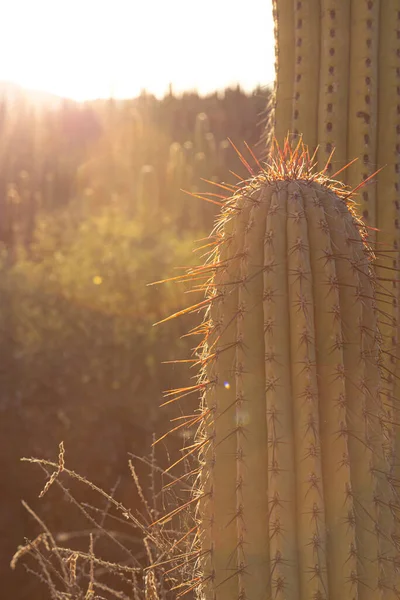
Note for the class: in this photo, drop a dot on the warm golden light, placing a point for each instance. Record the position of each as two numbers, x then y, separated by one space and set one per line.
85 49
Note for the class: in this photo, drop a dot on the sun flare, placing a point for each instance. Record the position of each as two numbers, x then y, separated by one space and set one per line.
84 49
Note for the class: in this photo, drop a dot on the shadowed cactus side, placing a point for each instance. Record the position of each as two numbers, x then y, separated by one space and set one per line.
294 498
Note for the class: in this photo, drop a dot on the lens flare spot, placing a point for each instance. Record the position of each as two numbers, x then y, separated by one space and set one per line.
227 385
97 280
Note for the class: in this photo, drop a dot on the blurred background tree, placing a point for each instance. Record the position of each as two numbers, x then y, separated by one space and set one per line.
91 211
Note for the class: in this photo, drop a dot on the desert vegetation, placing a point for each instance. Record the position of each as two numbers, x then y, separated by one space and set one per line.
92 212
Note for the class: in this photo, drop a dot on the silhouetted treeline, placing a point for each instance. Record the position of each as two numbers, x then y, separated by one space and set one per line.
90 213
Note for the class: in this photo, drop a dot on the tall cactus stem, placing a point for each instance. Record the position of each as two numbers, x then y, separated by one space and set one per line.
306 71
334 85
284 66
388 188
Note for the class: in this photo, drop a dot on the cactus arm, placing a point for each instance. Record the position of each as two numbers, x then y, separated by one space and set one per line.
284 65
281 469
306 76
333 87
252 439
363 101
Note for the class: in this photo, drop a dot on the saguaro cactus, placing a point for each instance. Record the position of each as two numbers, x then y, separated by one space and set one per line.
338 85
294 497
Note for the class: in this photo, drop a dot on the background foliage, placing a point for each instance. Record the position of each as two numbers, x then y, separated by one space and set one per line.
91 212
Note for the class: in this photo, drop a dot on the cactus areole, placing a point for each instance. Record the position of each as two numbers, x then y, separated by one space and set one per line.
294 499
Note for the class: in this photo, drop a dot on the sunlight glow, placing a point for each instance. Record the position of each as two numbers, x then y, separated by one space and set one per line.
84 49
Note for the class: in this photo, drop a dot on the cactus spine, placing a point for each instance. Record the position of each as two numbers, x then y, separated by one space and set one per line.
294 495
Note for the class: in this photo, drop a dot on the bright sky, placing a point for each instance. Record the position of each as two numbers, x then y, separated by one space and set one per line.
84 49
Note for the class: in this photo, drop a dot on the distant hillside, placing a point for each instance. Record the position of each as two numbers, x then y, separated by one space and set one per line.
11 92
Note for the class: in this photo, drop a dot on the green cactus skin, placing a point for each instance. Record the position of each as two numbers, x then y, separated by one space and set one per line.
295 499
